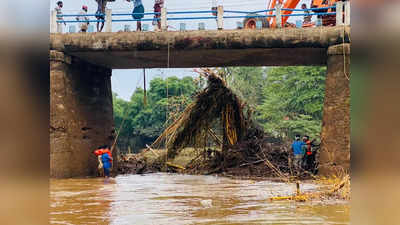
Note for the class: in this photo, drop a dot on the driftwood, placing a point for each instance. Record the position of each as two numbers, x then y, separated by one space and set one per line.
154 152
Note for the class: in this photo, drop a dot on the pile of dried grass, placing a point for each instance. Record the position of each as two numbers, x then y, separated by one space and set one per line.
245 148
214 103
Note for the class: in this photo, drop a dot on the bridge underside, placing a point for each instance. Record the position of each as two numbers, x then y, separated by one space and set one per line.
206 58
81 98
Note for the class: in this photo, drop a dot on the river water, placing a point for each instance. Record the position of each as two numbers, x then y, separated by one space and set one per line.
184 199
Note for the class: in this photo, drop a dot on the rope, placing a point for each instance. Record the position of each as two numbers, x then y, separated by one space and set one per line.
119 130
166 112
344 56
122 123
144 88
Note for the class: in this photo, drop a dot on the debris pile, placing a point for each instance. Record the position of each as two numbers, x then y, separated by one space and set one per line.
243 147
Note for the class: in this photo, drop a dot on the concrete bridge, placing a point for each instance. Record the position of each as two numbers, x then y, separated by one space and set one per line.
81 66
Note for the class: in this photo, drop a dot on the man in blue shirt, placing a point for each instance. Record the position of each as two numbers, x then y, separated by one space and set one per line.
298 152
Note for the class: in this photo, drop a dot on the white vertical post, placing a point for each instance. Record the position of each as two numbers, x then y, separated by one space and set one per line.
164 25
347 13
339 13
278 14
53 21
60 27
108 20
220 17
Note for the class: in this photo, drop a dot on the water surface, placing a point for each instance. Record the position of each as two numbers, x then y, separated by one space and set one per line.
184 199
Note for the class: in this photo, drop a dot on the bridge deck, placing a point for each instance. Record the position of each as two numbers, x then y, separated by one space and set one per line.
268 47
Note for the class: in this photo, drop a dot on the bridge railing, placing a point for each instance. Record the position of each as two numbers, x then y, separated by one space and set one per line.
341 10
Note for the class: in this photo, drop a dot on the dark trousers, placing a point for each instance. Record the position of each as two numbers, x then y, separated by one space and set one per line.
107 172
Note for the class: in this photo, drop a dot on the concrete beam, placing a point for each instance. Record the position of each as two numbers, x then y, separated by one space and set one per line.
267 47
81 115
335 135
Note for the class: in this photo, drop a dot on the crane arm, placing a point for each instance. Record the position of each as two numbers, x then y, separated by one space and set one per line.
289 4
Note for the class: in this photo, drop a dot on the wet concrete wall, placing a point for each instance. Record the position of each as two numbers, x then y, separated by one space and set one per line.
81 115
335 136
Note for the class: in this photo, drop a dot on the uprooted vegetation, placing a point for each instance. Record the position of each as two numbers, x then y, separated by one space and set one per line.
218 118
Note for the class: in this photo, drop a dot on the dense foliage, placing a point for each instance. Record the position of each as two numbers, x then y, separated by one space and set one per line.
287 100
293 101
284 100
143 123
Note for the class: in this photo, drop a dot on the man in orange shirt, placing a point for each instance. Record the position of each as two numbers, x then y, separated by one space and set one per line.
309 156
105 159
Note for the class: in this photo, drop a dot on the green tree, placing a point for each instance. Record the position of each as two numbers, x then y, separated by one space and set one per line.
293 101
247 83
144 123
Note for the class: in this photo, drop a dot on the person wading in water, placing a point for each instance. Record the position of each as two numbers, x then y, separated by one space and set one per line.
309 156
298 153
105 159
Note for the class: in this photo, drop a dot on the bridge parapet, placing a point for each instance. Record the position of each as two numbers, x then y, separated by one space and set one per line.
341 10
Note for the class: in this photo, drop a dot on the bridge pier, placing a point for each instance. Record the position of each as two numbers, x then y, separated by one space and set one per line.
81 115
335 135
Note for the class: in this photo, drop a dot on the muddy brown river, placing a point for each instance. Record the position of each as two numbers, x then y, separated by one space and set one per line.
184 199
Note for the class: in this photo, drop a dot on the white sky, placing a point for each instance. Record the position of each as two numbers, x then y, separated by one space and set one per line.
124 82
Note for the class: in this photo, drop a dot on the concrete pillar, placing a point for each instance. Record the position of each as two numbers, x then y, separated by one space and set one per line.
347 13
81 115
108 23
220 17
339 13
335 135
163 17
278 15
53 21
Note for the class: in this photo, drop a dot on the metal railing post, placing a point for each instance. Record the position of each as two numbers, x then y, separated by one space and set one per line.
347 13
278 15
108 20
220 17
53 21
339 13
164 25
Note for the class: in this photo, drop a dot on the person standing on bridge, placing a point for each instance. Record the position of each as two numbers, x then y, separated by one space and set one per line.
307 17
84 21
59 15
101 13
138 13
158 4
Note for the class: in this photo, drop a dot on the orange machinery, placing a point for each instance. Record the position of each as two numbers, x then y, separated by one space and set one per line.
327 20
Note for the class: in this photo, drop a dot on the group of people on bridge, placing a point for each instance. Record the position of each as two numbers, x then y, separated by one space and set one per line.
137 14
